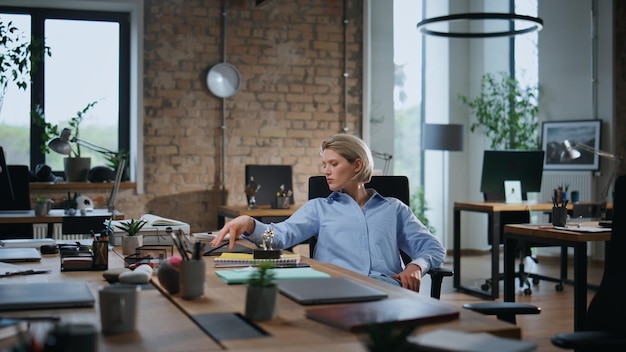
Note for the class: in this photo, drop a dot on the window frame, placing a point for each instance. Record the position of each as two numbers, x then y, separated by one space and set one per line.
37 98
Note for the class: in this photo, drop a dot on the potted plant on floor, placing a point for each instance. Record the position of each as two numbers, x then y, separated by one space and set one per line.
505 112
132 240
261 294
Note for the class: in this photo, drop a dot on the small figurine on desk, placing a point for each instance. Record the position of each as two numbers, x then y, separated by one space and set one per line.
268 251
251 188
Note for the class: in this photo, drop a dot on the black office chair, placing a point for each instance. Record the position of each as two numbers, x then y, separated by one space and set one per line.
15 195
605 325
388 186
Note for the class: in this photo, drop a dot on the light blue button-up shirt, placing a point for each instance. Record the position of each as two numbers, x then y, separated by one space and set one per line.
367 240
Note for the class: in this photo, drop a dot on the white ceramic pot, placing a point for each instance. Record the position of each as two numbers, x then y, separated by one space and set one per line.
131 243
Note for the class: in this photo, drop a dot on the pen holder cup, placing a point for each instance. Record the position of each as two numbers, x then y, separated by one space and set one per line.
559 216
192 275
282 203
100 255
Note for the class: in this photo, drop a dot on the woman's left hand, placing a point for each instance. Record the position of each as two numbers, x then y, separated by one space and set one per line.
411 277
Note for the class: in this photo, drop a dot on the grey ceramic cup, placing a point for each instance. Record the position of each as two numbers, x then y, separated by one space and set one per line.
191 276
118 308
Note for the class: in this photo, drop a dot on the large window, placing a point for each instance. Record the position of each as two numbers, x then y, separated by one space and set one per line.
89 63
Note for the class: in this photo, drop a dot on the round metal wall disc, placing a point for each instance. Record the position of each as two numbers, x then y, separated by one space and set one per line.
223 80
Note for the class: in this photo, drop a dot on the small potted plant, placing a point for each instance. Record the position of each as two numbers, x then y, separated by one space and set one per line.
132 240
262 294
42 206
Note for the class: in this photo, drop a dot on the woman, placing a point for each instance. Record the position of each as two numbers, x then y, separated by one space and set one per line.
357 228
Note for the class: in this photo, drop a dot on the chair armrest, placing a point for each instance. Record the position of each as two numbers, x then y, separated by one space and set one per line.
436 276
505 311
594 340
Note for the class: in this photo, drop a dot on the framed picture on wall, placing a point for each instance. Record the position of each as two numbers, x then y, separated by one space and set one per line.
556 133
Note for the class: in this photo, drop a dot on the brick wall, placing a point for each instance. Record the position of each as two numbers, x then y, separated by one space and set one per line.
291 58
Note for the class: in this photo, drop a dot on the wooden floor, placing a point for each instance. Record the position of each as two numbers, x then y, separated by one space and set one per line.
557 307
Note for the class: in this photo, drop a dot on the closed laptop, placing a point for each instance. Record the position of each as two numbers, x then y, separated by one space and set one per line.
9 255
328 290
45 295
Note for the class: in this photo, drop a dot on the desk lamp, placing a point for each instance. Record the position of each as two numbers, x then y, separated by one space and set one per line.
571 152
62 145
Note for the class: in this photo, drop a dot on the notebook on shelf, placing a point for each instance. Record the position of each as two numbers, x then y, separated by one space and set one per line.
45 295
328 290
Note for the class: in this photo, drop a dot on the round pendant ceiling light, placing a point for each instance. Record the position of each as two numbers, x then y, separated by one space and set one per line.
527 24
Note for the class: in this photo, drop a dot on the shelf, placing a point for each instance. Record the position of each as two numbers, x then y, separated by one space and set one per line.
62 186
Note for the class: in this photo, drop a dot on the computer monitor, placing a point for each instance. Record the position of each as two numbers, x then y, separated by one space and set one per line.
6 186
525 166
270 177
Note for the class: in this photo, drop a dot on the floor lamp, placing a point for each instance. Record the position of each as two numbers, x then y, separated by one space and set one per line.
444 137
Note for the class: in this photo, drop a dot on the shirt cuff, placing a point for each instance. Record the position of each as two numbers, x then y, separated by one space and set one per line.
422 263
257 235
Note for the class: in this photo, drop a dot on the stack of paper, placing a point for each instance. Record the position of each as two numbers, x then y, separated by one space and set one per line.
229 259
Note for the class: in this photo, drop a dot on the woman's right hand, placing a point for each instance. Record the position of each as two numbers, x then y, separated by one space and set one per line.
235 227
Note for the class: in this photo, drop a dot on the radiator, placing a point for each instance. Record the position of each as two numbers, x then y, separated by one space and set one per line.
581 181
41 231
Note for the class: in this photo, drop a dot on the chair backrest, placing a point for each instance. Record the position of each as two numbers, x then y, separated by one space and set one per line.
608 308
15 188
387 186
270 178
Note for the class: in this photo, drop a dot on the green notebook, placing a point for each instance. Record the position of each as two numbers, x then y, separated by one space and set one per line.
240 276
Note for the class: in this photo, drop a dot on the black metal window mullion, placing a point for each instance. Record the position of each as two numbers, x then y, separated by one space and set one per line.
38 18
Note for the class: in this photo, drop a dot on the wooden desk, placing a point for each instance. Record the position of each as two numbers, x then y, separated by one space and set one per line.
55 216
495 212
163 326
260 213
554 237
291 330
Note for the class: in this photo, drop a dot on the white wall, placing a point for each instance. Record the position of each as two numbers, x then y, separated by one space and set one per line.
565 83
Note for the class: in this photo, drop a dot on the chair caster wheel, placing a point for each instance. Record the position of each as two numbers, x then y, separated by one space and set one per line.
528 292
484 287
535 281
558 287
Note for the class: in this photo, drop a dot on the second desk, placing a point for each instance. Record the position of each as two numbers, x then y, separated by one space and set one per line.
497 217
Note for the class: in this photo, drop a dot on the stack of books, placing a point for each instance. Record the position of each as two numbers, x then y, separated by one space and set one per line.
229 259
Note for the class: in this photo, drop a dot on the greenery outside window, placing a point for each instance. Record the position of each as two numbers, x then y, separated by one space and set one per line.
90 62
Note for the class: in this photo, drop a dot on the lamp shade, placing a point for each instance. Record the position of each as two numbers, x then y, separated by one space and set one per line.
61 144
568 152
442 137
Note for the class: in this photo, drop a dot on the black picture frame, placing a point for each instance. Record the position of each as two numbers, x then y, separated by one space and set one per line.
588 132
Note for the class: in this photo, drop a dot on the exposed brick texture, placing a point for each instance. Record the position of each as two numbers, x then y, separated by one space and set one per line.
291 58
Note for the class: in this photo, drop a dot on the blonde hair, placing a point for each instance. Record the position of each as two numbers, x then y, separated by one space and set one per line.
352 148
